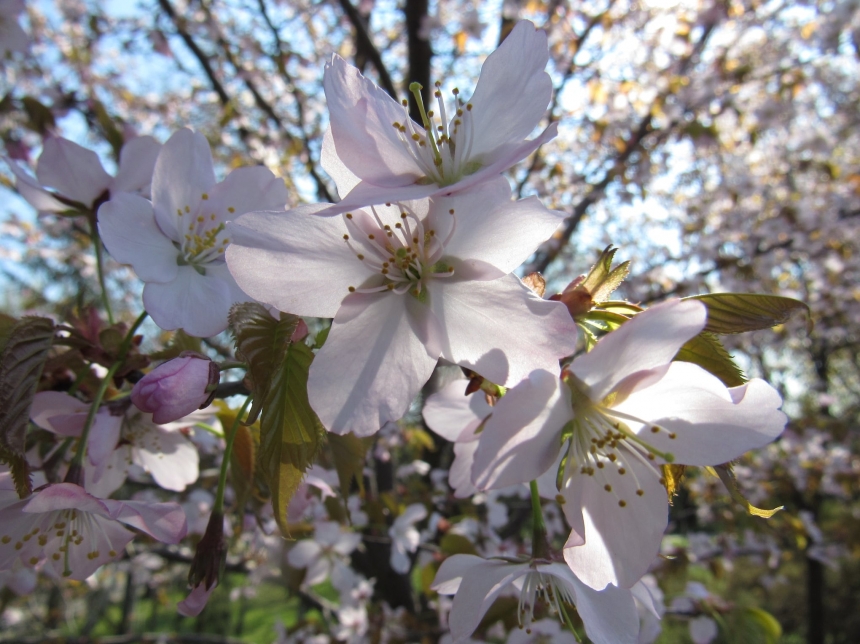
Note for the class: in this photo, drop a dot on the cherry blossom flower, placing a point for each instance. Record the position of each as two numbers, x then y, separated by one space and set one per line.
326 550
176 243
397 159
176 388
77 178
406 284
75 532
619 412
121 437
405 538
609 616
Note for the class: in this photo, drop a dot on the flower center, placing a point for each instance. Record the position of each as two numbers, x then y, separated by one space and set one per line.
442 150
547 587
602 445
202 238
403 256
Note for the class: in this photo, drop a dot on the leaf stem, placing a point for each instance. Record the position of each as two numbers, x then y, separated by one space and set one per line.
97 245
540 547
225 463
74 475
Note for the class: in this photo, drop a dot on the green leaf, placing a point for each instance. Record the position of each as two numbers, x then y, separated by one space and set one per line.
7 323
261 342
708 352
457 544
39 118
741 312
765 623
727 476
602 279
290 432
349 454
179 342
21 364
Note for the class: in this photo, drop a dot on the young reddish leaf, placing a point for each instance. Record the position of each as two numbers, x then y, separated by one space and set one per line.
21 366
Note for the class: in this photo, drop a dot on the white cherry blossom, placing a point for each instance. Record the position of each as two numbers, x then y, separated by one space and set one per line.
619 412
176 243
406 284
474 140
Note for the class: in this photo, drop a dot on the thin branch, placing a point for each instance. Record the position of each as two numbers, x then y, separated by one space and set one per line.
366 45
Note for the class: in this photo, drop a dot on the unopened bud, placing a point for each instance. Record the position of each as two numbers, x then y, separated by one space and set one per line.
177 387
210 555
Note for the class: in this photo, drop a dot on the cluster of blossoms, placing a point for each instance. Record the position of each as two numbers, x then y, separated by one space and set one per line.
414 265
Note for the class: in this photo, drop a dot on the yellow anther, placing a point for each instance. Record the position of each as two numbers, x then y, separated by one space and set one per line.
204 196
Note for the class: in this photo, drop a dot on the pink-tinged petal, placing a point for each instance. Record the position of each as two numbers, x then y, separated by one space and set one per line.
294 261
103 540
163 522
168 456
128 229
304 553
609 616
104 436
59 412
522 439
72 170
513 90
245 190
318 571
451 573
500 329
362 120
196 601
65 496
489 226
175 388
710 424
649 341
105 477
371 366
136 165
344 178
503 158
622 529
460 474
477 592
183 173
36 195
450 412
195 303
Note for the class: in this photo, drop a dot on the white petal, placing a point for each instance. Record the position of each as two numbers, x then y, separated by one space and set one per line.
303 553
164 522
344 178
183 172
371 366
460 474
195 303
246 190
513 90
709 426
477 592
500 329
136 165
71 412
170 457
36 195
294 261
72 170
609 616
522 438
490 226
128 229
649 341
362 120
621 543
449 412
452 571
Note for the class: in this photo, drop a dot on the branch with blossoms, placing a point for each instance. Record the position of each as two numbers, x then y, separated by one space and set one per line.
589 409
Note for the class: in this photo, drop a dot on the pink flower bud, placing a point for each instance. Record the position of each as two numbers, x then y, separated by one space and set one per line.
176 388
